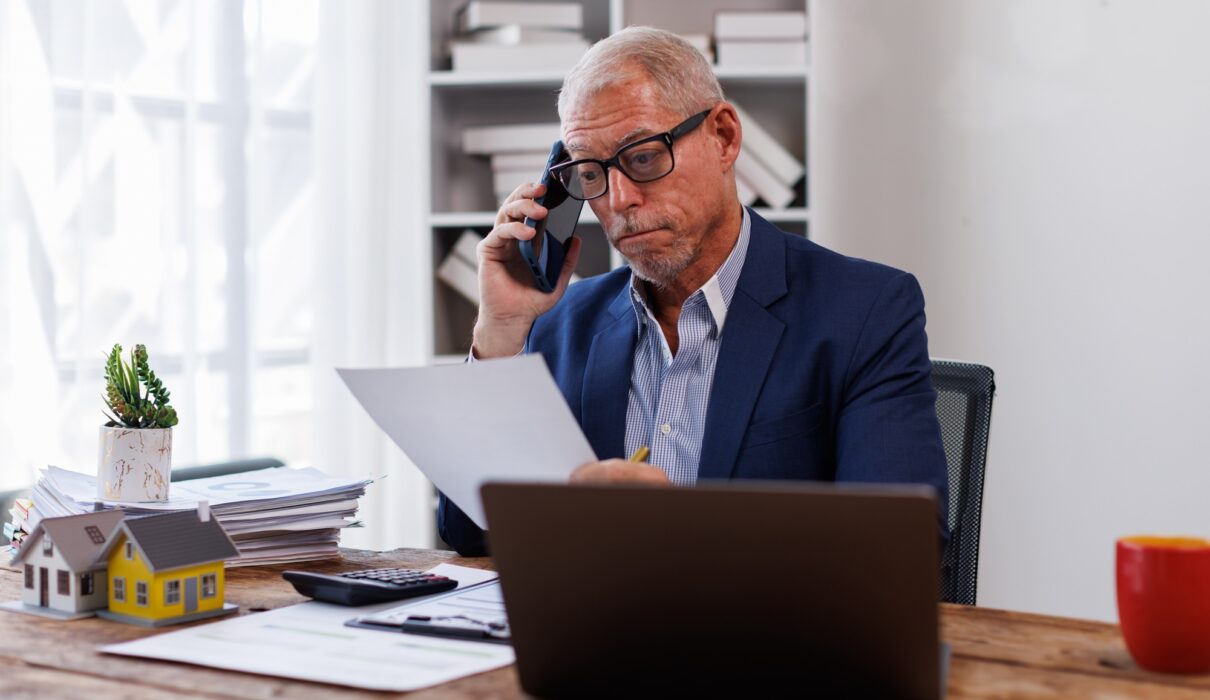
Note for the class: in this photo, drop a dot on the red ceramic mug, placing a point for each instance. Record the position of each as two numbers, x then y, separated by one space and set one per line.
1164 602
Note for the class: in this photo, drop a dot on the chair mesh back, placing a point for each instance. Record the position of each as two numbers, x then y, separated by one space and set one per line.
964 409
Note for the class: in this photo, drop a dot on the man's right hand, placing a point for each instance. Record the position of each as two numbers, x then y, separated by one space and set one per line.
509 301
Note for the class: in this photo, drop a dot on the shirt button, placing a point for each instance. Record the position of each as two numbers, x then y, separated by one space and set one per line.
665 429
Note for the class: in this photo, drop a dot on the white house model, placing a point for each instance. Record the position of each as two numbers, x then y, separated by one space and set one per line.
63 578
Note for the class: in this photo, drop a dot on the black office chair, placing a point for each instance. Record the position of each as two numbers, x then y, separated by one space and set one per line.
964 409
223 468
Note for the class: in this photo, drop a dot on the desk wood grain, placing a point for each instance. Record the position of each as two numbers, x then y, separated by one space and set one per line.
996 654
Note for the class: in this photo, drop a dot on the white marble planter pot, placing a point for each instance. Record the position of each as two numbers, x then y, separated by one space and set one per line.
134 465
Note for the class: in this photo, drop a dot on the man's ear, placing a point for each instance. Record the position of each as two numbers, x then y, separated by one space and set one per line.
728 132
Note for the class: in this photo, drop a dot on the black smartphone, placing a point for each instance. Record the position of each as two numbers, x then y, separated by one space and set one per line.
555 231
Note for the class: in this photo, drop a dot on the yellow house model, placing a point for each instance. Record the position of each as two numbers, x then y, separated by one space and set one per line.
168 568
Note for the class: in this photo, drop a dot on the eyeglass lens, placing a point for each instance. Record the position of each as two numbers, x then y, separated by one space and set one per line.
641 162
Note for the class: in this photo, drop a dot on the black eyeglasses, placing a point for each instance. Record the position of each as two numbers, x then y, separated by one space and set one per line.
644 160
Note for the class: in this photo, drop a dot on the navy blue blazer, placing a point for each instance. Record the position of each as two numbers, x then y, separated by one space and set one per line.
823 373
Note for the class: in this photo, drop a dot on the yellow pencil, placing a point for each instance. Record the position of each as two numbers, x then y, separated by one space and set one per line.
641 454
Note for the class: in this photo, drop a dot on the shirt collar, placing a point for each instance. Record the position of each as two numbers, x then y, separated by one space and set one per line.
718 290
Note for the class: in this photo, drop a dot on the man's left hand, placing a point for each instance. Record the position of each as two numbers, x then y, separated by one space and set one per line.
619 471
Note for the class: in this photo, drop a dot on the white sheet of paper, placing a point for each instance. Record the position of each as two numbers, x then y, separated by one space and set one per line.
467 424
464 575
309 641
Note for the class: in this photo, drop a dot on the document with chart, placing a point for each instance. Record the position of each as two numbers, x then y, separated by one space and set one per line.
310 641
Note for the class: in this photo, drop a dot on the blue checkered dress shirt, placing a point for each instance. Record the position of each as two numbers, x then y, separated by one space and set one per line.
669 395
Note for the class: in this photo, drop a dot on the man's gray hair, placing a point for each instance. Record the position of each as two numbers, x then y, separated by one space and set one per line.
683 79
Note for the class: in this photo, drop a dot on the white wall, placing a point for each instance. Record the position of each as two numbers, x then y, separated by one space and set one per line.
1044 168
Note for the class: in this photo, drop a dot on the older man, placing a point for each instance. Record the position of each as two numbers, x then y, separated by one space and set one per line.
732 349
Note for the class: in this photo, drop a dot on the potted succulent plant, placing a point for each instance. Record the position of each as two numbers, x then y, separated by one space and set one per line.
135 460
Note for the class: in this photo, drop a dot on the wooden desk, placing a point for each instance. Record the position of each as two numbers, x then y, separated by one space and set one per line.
996 654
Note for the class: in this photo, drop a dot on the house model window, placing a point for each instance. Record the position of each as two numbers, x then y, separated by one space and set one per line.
29 576
172 592
94 534
48 548
119 589
209 585
64 581
130 550
86 584
140 593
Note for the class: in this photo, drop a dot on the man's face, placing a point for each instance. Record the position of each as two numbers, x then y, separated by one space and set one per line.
659 226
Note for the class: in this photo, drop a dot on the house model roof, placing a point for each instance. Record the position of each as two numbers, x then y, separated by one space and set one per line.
172 540
79 538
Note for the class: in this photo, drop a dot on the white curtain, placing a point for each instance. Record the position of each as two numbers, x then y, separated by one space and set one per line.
373 257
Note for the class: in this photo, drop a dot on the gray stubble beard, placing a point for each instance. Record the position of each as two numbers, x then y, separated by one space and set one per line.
660 271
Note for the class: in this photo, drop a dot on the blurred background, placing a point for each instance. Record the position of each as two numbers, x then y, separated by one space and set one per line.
250 188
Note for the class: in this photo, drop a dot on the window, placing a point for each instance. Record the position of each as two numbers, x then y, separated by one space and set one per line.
64 579
140 593
176 141
119 589
86 587
209 585
129 549
172 592
47 547
29 576
94 534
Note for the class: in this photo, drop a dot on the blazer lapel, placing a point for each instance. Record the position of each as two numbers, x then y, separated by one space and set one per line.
606 388
750 339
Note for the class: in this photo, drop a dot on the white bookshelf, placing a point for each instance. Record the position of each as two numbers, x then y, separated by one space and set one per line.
460 188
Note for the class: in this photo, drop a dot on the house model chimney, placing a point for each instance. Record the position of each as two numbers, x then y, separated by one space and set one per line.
203 511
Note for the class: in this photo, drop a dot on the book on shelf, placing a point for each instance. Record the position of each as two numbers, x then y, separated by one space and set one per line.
760 24
559 57
484 14
460 268
763 181
510 138
518 34
766 149
533 161
760 53
505 181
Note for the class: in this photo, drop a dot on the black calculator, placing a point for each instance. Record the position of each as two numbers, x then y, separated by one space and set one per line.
369 586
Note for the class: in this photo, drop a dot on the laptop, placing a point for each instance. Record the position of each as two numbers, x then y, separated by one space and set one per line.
750 589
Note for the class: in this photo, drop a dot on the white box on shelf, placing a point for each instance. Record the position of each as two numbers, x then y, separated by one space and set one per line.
481 14
509 138
768 151
515 34
460 268
490 58
505 181
763 181
734 53
534 161
760 24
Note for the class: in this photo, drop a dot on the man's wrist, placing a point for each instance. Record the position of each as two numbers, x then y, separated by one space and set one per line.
498 340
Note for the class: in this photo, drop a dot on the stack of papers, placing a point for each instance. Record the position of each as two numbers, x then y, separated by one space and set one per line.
273 515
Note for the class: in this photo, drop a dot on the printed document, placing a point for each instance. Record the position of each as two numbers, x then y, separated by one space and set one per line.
310 642
463 425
